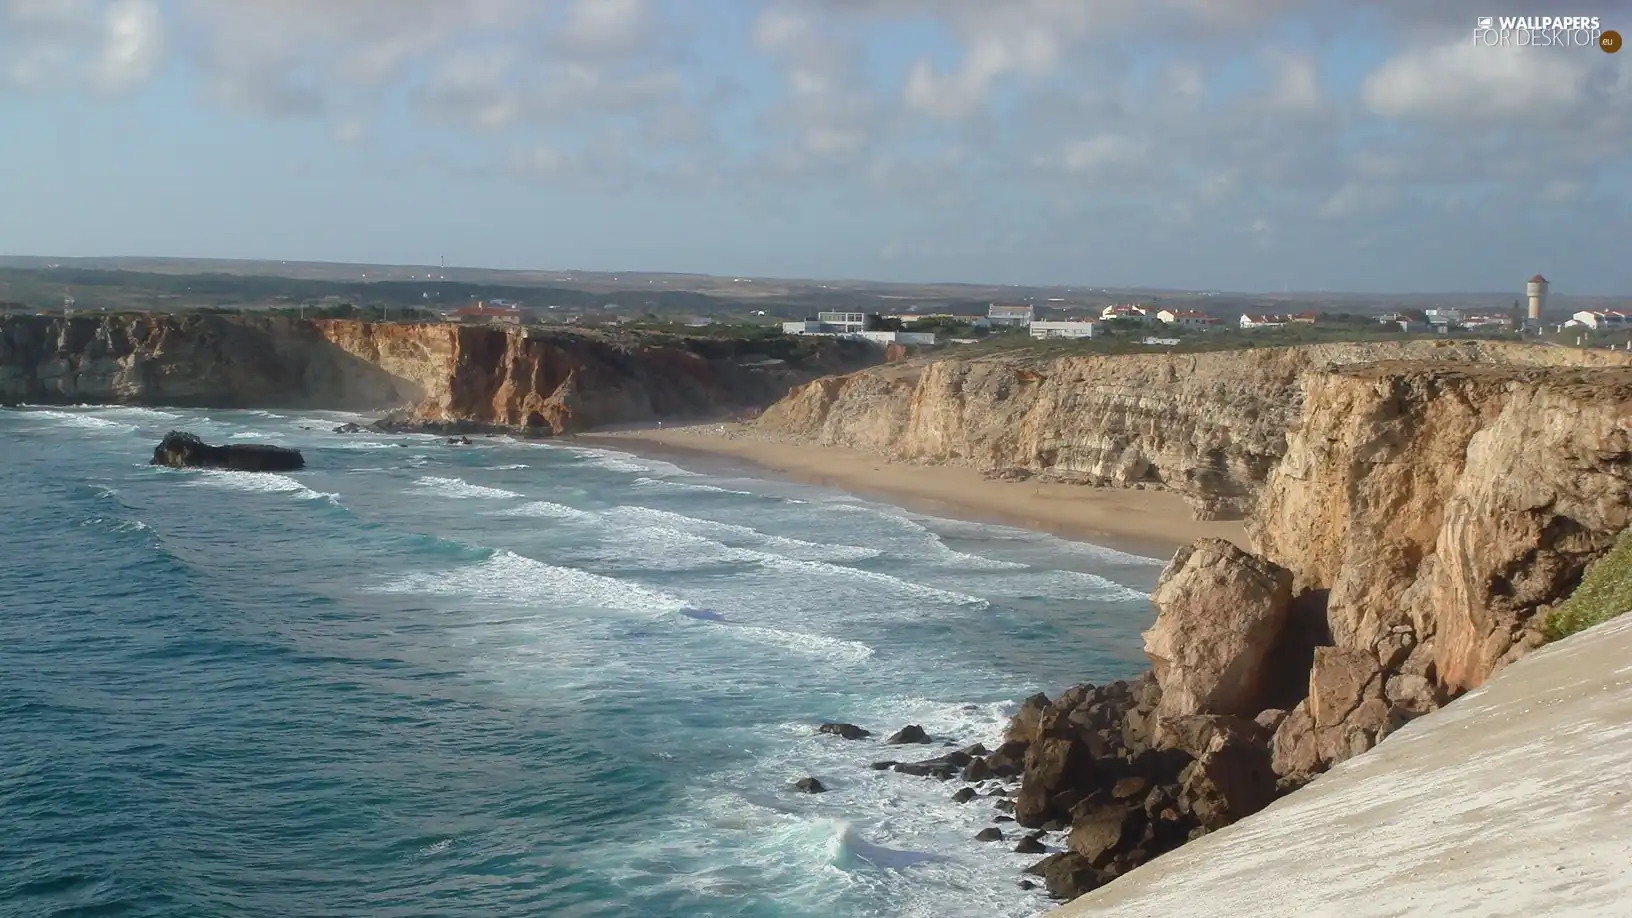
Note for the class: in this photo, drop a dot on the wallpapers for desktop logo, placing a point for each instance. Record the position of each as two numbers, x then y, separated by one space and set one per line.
1545 32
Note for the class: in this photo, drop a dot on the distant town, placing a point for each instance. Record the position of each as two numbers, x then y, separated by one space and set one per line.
910 316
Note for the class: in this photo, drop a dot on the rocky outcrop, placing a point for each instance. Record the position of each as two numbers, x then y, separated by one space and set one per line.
189 361
1443 506
1411 522
1211 426
180 450
1092 770
1219 613
1429 498
464 378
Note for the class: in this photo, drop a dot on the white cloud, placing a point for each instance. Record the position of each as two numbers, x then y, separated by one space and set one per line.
350 132
1355 198
1462 81
1297 85
1077 111
1103 155
608 25
829 110
132 45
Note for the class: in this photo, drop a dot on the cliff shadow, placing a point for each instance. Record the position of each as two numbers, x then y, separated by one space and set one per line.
1292 656
317 373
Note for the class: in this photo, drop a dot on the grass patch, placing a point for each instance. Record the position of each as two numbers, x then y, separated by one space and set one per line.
1604 593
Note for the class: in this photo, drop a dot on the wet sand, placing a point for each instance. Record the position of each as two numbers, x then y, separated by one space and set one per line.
1151 523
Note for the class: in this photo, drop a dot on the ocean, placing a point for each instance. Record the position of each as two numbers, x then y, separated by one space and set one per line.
511 678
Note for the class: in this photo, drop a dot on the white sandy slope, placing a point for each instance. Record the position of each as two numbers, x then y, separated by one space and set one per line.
1514 800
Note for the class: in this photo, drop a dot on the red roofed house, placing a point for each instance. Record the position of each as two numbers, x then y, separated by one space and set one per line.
1186 318
485 314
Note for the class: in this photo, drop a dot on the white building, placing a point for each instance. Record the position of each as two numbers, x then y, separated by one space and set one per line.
1077 329
1598 321
842 322
891 337
1010 315
1127 312
1447 318
1186 318
1254 321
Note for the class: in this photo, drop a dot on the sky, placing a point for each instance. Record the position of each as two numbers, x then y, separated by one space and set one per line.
1249 145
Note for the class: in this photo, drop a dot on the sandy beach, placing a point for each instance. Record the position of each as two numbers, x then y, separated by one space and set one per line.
1152 523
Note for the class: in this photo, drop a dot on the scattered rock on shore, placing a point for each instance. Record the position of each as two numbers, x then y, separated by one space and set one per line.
912 733
181 450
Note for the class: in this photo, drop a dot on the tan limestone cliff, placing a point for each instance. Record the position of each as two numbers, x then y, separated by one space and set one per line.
1211 426
1429 497
546 381
1455 501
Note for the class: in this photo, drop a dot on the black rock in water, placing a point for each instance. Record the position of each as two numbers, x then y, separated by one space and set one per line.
848 731
911 733
809 786
350 428
180 450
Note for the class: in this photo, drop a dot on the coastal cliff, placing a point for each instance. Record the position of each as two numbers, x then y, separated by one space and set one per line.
1210 426
1448 491
1413 512
1453 501
540 381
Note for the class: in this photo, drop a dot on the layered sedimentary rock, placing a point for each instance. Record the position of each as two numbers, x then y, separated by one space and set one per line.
1449 503
1413 511
541 381
1433 494
188 361
1211 426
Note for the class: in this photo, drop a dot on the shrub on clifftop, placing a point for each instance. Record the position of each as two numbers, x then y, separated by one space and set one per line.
1604 593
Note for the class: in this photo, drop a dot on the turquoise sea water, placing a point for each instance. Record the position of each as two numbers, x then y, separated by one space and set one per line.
505 679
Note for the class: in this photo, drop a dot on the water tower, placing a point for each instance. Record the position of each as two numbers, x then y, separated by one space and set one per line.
1536 290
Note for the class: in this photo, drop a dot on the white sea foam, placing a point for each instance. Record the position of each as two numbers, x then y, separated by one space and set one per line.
877 843
887 581
838 650
731 532
137 413
258 482
251 435
83 420
663 484
614 461
512 579
118 525
459 489
1043 582
547 510
508 468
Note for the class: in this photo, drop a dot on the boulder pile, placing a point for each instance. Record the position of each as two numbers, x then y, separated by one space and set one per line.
1246 701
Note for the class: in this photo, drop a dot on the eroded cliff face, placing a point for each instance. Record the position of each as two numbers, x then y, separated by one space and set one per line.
1452 500
1210 426
204 361
540 381
1432 494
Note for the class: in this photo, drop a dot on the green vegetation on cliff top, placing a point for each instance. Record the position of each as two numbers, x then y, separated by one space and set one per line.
1605 592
